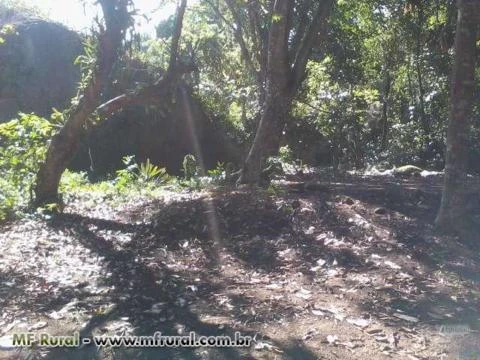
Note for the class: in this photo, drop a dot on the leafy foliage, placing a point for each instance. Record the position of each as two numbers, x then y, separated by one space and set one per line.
18 9
135 174
218 174
381 92
87 62
149 172
5 30
377 92
190 166
24 144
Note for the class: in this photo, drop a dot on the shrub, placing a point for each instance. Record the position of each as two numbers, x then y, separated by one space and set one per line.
190 166
23 146
139 174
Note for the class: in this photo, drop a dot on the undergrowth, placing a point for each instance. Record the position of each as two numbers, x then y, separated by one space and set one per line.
23 147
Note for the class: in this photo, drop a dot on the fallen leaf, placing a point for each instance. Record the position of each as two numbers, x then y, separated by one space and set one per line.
318 312
303 294
56 315
362 323
37 326
392 265
261 345
406 317
6 342
349 344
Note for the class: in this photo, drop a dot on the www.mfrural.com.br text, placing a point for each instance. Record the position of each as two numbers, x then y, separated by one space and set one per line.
156 340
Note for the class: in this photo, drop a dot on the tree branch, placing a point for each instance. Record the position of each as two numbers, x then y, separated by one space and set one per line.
163 87
177 33
259 36
238 33
150 95
278 38
317 26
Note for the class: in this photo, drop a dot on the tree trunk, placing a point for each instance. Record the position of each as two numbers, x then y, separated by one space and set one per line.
277 96
452 214
65 144
268 136
419 69
285 70
385 103
62 148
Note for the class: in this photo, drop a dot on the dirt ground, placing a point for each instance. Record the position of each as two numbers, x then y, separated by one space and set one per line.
342 269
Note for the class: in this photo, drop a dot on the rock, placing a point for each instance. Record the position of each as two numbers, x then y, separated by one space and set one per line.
407 170
38 71
380 211
163 138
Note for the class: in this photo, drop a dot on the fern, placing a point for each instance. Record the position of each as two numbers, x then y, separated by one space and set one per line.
149 172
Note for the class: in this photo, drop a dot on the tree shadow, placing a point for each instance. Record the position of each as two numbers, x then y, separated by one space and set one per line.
17 289
417 200
175 261
139 286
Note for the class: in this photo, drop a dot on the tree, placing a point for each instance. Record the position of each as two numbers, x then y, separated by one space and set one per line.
452 213
285 71
275 48
64 145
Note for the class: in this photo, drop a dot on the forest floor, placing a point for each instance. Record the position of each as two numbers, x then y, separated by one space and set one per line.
346 269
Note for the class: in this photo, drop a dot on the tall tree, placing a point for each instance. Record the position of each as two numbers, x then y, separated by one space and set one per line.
452 214
276 39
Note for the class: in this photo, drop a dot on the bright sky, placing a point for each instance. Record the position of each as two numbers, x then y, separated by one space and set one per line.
73 14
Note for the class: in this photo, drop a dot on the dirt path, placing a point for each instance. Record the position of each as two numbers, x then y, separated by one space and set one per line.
346 270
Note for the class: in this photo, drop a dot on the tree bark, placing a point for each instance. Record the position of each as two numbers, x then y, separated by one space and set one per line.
284 74
452 214
268 135
385 105
419 70
277 96
65 144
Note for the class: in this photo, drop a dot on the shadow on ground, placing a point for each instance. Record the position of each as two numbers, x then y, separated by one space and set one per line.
202 265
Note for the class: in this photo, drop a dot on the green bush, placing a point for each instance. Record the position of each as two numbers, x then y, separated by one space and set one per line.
218 173
190 167
135 174
23 146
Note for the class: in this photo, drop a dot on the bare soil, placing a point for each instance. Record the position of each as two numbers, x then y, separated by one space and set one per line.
345 269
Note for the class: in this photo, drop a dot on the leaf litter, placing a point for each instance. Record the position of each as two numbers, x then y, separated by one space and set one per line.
317 268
